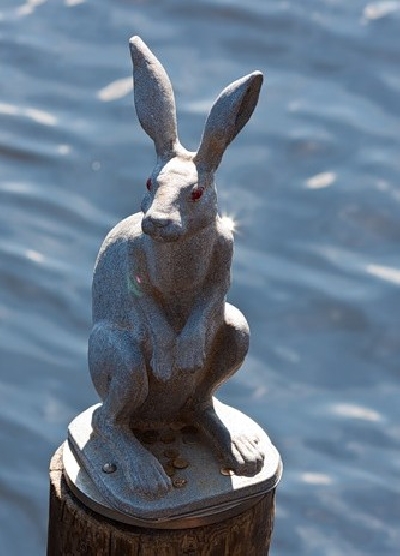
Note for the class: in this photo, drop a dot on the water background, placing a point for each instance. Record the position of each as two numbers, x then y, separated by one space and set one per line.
313 182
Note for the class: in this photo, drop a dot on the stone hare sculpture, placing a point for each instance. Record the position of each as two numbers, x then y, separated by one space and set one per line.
164 337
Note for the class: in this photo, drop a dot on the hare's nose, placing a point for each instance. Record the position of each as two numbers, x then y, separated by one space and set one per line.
153 222
160 222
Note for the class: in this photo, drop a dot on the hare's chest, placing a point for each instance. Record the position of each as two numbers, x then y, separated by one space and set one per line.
176 276
176 269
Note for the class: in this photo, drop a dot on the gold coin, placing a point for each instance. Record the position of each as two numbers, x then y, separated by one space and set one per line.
168 437
180 463
169 469
172 454
177 425
179 482
189 440
226 471
149 437
189 429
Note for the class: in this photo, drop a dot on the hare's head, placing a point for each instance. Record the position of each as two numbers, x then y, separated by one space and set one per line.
181 197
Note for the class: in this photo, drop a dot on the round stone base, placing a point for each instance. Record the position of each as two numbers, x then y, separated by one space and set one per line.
203 490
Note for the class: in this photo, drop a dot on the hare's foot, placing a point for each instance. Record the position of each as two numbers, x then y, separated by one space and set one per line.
239 450
119 373
143 473
244 456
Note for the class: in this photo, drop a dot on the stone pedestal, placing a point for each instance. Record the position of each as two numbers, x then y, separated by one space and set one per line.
209 512
74 529
203 489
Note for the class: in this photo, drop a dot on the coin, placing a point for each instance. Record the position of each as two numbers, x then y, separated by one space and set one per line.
226 471
109 468
169 469
189 440
172 454
149 437
179 482
177 425
168 437
189 429
180 463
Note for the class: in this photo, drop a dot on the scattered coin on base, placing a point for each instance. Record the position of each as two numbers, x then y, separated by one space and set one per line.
179 482
180 463
226 471
171 453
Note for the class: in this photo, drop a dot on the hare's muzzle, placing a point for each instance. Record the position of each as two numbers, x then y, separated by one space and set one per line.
161 227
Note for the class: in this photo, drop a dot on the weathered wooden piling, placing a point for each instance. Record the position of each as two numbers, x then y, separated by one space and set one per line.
74 529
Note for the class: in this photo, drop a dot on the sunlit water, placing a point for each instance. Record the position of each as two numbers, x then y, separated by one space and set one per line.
313 184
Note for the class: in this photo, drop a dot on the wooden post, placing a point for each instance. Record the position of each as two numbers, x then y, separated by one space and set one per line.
75 530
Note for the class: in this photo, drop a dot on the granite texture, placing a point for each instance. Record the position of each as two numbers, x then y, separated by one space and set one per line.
164 338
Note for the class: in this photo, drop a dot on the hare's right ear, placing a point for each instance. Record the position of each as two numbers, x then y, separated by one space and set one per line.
229 114
154 97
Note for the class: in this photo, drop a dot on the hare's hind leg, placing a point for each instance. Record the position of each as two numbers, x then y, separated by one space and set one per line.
240 452
227 354
118 372
117 369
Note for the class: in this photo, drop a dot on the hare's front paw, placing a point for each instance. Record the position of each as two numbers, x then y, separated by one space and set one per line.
190 350
162 362
146 476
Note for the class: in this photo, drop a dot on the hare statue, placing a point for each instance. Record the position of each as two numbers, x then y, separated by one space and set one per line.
164 338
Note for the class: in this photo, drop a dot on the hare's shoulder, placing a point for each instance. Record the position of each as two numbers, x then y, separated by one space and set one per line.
225 235
111 288
128 231
122 244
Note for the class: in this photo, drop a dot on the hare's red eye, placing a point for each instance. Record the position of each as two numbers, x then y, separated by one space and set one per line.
148 183
197 193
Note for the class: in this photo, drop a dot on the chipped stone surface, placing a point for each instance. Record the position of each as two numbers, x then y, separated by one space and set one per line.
164 337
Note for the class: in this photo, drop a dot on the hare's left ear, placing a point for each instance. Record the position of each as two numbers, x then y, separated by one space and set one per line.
229 114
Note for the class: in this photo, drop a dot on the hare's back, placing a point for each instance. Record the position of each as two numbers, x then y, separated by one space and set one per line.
110 289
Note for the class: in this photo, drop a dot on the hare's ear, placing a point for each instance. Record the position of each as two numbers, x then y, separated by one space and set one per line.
229 114
154 97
